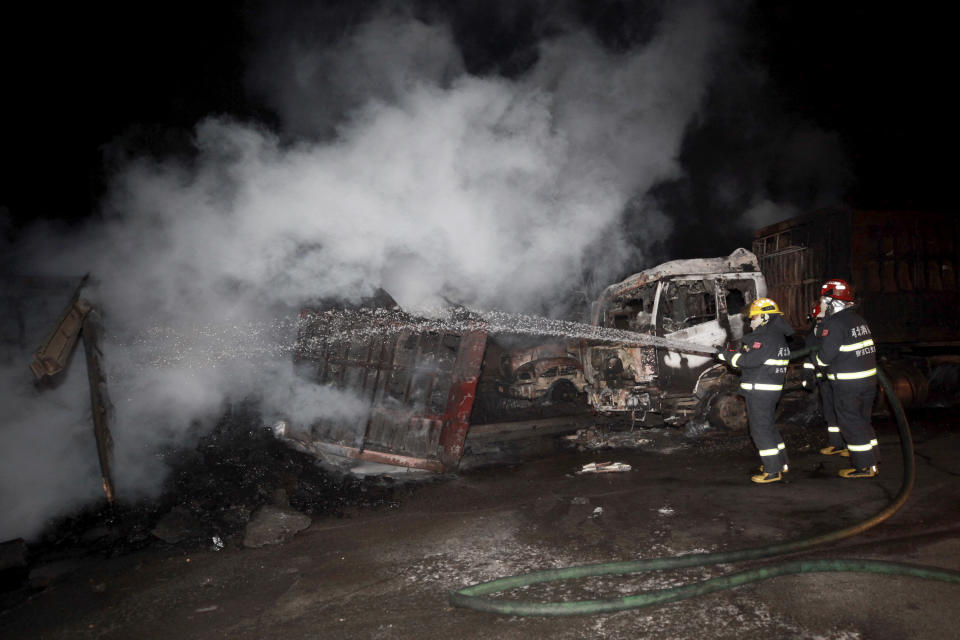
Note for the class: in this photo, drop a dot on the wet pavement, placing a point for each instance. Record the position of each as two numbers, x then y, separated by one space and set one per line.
382 567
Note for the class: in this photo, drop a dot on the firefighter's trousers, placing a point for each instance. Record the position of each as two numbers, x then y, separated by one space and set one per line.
853 400
830 415
761 410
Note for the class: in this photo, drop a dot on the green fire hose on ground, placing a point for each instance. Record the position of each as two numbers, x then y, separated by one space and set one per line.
473 597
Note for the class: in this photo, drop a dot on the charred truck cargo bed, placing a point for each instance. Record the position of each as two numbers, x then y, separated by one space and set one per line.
903 268
416 387
912 256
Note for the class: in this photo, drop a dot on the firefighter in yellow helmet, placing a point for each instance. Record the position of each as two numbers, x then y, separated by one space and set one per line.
762 360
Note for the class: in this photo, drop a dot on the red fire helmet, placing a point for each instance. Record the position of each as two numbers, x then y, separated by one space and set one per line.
838 289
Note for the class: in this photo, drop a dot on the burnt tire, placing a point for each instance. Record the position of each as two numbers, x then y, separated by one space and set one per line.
562 391
728 411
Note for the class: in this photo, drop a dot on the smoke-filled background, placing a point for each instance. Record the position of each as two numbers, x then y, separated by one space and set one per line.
216 168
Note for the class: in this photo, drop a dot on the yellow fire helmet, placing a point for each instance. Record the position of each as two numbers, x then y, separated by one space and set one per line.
763 305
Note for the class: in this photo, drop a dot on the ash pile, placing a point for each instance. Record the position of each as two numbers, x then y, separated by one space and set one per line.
239 487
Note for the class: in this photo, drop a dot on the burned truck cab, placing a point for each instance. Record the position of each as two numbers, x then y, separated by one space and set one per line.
695 301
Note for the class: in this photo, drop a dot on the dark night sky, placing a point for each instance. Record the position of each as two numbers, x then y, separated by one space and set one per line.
93 73
879 76
78 79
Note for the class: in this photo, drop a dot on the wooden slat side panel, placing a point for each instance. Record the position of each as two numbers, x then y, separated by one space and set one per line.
902 265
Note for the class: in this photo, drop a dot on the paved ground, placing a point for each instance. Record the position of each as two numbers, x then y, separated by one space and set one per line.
386 572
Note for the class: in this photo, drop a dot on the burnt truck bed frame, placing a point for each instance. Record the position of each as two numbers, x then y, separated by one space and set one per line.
420 386
902 265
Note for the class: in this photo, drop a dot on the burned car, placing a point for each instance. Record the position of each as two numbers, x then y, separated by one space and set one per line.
698 301
546 372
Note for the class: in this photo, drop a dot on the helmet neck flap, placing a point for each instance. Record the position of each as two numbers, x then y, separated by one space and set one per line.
832 306
759 320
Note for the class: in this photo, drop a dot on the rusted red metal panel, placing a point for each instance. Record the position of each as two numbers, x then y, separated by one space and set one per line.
466 375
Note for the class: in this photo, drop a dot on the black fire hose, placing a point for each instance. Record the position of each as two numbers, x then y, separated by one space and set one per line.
472 597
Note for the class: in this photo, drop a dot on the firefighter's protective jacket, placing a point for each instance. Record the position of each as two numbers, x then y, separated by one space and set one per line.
847 351
764 357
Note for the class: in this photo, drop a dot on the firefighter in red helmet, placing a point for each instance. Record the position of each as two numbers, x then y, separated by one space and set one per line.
847 357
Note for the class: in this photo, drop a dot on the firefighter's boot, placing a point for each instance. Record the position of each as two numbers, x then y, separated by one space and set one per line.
760 469
864 472
832 451
764 478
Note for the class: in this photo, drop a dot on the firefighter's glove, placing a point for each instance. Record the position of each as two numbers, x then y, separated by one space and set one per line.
724 355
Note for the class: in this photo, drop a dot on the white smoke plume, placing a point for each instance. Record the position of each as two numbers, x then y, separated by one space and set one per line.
48 459
393 168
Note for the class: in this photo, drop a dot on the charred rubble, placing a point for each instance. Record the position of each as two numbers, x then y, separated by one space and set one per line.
208 498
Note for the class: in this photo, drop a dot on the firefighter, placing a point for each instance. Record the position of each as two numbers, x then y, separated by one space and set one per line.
813 378
763 360
849 359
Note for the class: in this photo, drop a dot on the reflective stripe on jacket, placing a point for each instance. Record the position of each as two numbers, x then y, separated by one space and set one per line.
764 357
847 350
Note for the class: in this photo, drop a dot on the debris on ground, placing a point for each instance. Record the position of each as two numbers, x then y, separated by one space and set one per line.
599 438
273 525
604 467
177 525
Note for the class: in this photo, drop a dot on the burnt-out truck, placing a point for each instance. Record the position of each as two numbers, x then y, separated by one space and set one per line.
903 269
435 390
696 301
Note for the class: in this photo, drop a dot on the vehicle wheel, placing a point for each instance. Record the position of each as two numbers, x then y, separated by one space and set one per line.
728 411
562 391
